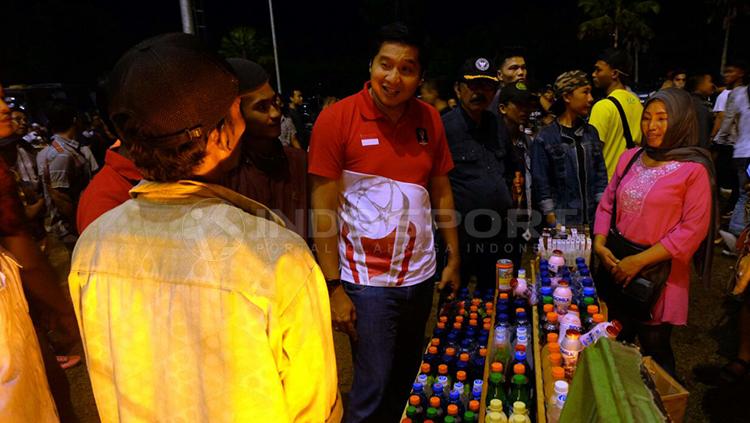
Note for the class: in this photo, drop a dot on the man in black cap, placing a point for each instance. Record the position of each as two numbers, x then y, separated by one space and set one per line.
269 173
516 103
194 302
480 190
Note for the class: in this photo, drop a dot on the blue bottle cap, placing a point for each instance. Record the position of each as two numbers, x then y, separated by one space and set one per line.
458 387
437 387
478 383
543 262
546 290
546 281
580 260
520 355
502 317
416 387
443 380
585 272
589 291
454 396
587 281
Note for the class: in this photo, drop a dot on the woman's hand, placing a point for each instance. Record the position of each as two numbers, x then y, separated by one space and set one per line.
626 269
605 254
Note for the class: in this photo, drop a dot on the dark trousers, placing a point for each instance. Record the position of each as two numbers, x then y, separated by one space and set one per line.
390 324
726 175
655 340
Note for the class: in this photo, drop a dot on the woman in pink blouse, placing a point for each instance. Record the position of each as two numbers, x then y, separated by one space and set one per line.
666 200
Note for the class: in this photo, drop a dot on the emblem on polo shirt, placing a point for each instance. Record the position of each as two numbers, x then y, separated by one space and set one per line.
482 64
422 136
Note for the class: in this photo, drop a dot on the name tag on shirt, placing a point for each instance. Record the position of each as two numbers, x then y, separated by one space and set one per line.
366 142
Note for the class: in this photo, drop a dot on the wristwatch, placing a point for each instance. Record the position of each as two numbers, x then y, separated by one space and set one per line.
333 284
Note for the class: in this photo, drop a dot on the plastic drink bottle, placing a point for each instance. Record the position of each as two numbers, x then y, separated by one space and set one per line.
477 369
474 406
557 374
571 320
433 414
455 399
588 321
519 390
570 348
469 417
496 407
556 262
443 371
418 391
549 338
449 419
556 406
416 402
520 411
437 404
562 296
476 390
432 358
453 411
502 345
551 325
608 329
496 387
495 417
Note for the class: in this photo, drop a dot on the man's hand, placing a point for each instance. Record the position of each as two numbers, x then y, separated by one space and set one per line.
450 276
64 328
343 313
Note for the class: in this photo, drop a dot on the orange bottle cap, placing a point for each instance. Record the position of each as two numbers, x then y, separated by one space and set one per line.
558 372
552 316
461 375
554 347
548 307
488 305
473 322
473 405
452 410
504 296
432 350
598 318
592 309
552 337
460 319
425 368
476 301
435 402
521 347
487 320
555 359
435 342
473 308
444 319
483 352
487 326
457 326
408 420
450 351
443 369
519 369
573 307
464 357
414 400
520 310
496 367
441 325
474 316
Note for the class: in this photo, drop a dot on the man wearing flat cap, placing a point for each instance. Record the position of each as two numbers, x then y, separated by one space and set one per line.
269 173
480 190
195 303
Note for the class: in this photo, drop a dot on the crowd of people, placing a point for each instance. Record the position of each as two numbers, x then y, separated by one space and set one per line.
218 239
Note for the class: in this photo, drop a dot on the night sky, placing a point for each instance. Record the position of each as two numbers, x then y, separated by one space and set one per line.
323 45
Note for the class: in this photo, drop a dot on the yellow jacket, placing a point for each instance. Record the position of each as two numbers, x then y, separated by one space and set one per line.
195 304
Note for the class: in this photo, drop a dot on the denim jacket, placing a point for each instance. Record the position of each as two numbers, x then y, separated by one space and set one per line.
556 182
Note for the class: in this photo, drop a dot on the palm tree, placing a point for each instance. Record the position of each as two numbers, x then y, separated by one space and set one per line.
245 42
623 20
727 11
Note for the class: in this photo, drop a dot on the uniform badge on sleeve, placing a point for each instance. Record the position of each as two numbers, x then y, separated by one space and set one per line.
422 136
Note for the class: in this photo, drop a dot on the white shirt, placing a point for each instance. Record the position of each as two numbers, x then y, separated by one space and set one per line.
721 101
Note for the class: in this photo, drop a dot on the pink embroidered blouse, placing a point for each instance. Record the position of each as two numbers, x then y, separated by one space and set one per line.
669 204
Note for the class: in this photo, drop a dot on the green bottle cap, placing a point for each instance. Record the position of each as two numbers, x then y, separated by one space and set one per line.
547 299
469 417
449 419
411 411
496 378
519 380
431 413
588 301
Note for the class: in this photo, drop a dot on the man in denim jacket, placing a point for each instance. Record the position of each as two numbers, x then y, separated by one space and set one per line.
568 171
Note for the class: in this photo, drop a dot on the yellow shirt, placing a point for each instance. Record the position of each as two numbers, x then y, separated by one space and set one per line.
193 308
606 119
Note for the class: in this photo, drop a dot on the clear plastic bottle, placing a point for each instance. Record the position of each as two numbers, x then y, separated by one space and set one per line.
496 409
550 325
570 348
556 373
555 407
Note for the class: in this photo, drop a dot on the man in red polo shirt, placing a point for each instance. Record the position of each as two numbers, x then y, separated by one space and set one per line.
379 161
109 188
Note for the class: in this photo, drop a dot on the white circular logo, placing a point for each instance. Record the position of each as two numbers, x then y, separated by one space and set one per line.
212 232
482 64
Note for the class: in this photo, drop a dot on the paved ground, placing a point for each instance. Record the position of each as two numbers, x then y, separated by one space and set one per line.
709 337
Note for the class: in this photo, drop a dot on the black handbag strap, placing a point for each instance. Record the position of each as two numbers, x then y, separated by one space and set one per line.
625 127
612 221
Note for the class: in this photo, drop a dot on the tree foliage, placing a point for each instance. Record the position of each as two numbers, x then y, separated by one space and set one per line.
245 42
623 20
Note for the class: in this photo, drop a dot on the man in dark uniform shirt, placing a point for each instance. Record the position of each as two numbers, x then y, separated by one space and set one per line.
270 173
480 189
